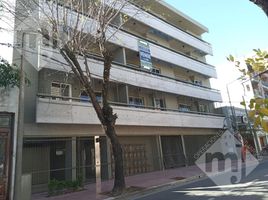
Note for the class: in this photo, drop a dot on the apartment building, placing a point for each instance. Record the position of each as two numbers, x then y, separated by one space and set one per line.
160 90
259 85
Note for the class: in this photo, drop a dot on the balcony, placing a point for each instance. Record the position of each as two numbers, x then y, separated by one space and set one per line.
136 77
126 40
58 110
162 53
155 22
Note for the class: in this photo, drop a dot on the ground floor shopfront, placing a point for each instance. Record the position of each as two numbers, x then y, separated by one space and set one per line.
77 151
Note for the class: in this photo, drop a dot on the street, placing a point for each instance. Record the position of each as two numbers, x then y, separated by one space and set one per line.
252 187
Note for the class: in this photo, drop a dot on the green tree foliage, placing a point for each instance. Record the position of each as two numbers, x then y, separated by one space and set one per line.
254 67
9 74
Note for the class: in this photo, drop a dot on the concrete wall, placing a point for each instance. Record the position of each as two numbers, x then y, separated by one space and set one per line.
65 112
83 130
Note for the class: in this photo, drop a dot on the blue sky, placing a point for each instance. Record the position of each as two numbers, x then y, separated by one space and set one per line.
235 26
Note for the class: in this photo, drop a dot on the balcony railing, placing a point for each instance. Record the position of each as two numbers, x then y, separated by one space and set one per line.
120 104
164 20
138 68
67 110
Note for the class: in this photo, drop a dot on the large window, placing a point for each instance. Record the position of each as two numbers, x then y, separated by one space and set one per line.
156 71
136 101
203 108
85 97
159 103
60 90
184 108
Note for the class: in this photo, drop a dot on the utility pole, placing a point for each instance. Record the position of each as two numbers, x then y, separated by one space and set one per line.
20 128
233 121
253 132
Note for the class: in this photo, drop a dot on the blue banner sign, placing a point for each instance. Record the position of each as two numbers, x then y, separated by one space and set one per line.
145 55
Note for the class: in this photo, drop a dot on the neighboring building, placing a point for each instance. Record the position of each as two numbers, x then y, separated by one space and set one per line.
242 124
259 84
165 109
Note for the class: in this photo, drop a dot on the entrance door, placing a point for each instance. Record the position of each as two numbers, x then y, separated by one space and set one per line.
4 163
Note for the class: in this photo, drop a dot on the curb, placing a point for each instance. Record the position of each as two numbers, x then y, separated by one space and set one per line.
155 188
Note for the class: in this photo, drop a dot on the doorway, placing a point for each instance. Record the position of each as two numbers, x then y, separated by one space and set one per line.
5 152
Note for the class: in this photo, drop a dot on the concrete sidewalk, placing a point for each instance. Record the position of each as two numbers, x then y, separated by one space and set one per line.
139 182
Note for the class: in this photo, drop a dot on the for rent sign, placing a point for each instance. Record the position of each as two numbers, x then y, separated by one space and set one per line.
145 55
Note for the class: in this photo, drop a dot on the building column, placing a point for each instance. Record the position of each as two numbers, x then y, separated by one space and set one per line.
160 152
184 150
97 163
124 56
74 154
109 159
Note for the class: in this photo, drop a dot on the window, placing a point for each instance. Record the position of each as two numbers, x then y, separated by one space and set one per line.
60 90
159 103
98 96
203 108
32 41
84 97
156 71
136 101
184 108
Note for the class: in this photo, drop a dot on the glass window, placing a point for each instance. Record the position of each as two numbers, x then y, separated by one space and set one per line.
60 90
4 121
84 97
155 71
2 156
184 108
159 103
136 101
203 108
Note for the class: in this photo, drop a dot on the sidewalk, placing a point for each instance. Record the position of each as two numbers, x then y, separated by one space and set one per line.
140 182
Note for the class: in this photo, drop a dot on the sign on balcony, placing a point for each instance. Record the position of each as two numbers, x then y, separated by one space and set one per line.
145 55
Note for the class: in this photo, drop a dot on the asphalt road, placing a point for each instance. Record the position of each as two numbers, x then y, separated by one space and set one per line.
251 187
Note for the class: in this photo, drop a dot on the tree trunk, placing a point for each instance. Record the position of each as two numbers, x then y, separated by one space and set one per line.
109 124
263 4
105 114
119 179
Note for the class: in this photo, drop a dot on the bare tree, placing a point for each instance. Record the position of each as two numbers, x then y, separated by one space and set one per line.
78 28
262 4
